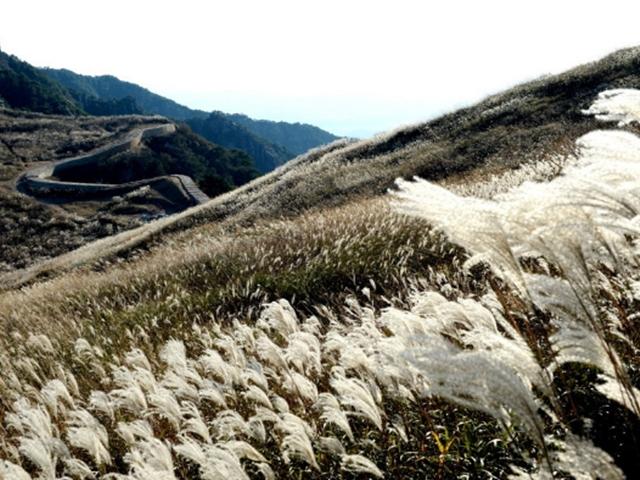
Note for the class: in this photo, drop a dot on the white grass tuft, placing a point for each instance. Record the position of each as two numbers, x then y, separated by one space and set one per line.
360 465
87 433
621 105
11 471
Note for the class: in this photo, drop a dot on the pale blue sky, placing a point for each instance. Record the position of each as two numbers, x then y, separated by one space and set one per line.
351 67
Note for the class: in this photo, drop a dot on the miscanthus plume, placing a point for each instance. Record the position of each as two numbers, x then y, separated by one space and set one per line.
467 370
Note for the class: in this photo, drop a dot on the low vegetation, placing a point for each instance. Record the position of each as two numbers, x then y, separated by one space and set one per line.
33 232
480 327
440 335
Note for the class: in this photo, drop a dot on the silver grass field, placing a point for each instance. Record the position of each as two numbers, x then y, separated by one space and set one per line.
444 331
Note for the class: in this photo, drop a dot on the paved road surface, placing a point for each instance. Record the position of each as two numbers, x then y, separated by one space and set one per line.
38 182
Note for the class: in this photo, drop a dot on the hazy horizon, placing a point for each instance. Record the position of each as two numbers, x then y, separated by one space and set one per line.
353 69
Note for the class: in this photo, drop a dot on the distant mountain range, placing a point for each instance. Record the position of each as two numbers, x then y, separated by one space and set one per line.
297 138
269 143
107 87
217 128
61 91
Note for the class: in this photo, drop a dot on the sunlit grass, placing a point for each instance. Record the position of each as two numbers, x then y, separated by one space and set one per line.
442 336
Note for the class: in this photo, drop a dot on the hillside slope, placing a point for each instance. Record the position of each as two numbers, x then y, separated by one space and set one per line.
297 138
25 87
483 325
214 168
272 143
533 121
540 119
45 223
218 129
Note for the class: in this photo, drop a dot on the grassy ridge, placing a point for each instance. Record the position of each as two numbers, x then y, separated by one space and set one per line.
443 335
530 122
329 264
522 125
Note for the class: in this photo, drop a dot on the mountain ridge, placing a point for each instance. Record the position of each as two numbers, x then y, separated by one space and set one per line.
308 136
496 135
270 143
112 88
480 321
23 86
217 128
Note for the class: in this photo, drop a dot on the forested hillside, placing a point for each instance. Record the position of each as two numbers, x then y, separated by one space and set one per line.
107 87
215 169
297 138
218 129
269 143
25 87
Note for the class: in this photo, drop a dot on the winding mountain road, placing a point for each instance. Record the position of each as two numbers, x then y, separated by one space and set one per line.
38 181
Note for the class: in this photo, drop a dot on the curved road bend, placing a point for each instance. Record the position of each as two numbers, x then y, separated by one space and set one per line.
38 179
